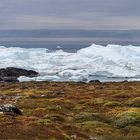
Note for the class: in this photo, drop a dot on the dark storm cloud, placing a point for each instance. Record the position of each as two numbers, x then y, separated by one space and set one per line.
88 14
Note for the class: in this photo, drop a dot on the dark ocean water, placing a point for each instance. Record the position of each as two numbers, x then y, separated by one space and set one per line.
69 40
52 47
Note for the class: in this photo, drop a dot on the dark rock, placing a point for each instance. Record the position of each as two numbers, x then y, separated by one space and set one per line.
10 109
2 97
1 79
94 81
16 72
23 87
58 93
9 79
11 74
81 82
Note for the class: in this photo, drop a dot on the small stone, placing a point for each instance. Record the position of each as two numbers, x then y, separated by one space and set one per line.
92 138
58 93
73 136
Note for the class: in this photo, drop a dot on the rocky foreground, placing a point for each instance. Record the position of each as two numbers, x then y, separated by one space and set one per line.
58 111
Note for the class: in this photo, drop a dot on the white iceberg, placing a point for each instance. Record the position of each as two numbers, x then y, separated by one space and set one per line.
95 60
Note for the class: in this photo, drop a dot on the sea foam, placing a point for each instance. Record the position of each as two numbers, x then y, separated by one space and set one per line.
111 61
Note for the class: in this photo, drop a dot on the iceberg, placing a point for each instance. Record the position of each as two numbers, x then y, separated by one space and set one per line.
111 61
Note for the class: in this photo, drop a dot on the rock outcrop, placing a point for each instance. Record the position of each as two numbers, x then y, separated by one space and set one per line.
11 74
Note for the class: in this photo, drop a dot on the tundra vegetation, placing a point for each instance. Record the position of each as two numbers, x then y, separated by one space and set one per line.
66 110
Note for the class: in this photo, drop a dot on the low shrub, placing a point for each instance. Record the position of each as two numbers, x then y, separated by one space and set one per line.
127 118
86 116
134 102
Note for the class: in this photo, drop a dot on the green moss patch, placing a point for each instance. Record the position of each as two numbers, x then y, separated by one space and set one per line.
113 104
127 118
97 128
134 102
86 116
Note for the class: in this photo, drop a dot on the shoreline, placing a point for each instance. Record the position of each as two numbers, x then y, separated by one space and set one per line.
72 82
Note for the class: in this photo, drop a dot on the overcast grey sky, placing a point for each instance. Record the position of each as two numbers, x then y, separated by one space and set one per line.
70 14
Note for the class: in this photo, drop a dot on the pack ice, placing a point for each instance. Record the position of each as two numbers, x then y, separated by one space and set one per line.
96 60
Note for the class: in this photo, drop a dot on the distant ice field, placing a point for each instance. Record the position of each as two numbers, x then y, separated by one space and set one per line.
96 62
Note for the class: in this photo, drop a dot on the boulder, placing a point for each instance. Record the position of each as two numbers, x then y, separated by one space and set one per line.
10 109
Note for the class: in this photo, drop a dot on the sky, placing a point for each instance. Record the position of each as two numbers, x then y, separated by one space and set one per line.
70 14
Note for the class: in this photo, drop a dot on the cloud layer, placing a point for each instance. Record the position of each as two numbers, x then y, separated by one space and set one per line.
69 14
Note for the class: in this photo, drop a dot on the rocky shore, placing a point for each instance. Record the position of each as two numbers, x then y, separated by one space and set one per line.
68 110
